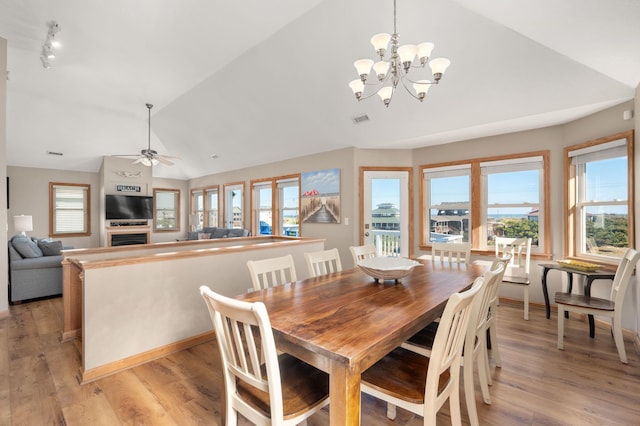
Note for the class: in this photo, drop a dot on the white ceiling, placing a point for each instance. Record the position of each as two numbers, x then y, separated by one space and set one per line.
256 81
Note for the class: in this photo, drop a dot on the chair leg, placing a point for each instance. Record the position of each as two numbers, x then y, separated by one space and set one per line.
561 312
494 344
617 337
526 303
469 390
391 411
482 362
454 405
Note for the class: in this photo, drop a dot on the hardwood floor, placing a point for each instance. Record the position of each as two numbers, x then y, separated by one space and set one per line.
586 384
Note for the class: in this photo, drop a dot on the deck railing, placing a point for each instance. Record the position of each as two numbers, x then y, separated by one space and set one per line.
387 242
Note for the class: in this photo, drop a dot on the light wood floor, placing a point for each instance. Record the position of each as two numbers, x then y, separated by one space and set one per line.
537 385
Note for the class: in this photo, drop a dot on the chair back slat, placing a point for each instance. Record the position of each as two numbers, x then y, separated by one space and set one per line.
623 275
520 251
272 272
457 253
362 252
323 262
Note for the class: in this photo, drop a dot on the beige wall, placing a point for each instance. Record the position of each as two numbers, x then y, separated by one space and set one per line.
4 292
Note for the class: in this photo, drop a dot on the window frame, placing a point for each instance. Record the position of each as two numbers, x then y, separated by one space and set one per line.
86 210
208 191
256 186
277 210
572 241
479 200
196 216
227 188
176 209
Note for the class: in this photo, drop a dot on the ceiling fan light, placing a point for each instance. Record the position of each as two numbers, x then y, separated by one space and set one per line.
145 162
154 162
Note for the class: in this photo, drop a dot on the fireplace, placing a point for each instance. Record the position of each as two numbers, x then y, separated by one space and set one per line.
119 239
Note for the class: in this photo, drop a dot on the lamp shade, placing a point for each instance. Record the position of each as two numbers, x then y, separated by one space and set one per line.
23 223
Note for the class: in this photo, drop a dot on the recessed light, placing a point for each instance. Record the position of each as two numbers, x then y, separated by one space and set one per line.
214 155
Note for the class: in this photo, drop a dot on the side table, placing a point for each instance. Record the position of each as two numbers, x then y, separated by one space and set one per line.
590 276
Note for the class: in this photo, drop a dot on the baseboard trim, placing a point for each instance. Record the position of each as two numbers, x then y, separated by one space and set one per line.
87 376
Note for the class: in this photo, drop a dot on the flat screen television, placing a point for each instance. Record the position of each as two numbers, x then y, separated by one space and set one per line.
129 207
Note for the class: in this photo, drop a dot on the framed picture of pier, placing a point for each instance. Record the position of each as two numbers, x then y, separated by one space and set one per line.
320 196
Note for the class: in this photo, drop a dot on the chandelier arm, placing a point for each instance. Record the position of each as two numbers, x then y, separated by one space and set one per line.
404 84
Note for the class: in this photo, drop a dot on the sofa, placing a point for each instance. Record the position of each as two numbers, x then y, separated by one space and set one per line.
213 232
35 268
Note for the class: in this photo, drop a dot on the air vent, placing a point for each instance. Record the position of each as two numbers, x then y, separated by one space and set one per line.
55 153
360 119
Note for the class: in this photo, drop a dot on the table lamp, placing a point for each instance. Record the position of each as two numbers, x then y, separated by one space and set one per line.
22 224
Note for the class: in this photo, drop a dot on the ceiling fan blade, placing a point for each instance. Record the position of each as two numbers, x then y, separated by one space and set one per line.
125 155
164 160
139 160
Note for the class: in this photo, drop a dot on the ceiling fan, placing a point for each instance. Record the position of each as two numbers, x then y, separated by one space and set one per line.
150 157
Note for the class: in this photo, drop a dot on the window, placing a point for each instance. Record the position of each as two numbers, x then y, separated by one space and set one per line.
166 210
234 205
275 206
196 220
514 191
263 207
476 200
211 206
600 197
448 196
69 209
289 204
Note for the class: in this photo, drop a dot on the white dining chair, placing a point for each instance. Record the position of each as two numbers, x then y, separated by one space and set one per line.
323 262
517 273
271 272
610 308
492 317
282 390
475 356
362 252
454 253
423 384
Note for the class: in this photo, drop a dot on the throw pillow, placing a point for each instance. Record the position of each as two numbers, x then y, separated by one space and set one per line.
26 247
220 233
50 248
236 232
204 236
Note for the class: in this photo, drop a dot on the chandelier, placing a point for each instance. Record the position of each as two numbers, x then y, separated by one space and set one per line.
395 68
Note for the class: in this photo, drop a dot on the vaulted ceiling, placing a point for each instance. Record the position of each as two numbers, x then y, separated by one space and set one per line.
255 81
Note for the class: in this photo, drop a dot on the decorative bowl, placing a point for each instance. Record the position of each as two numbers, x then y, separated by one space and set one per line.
387 268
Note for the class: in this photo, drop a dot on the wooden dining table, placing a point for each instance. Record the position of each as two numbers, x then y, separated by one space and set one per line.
342 323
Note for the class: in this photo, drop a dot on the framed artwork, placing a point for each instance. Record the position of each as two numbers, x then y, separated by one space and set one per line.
320 200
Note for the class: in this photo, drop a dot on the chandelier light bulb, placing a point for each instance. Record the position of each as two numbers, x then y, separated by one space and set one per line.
363 66
385 94
424 51
381 68
357 86
380 43
407 54
438 67
421 87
